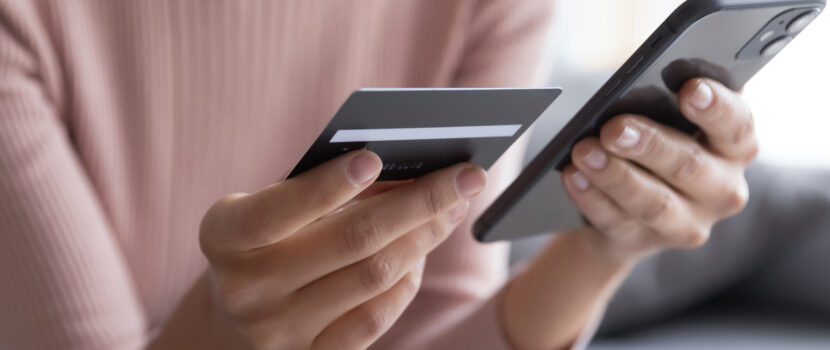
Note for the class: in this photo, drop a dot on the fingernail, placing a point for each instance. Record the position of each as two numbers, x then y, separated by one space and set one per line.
629 137
469 182
579 181
701 99
421 264
362 169
596 159
459 212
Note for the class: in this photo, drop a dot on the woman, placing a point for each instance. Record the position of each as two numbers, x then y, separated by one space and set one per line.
122 122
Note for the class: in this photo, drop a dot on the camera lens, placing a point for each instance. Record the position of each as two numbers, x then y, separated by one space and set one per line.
801 22
766 36
776 46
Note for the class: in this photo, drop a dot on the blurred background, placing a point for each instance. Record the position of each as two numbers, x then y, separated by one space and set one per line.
791 103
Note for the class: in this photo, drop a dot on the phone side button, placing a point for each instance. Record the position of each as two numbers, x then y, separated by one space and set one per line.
654 40
633 63
611 86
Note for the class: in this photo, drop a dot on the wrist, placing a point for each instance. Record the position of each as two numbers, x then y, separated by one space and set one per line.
550 303
612 252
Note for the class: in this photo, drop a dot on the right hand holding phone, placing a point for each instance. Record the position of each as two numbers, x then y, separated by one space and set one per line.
293 266
645 187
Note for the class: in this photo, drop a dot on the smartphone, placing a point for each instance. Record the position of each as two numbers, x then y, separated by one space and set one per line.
725 40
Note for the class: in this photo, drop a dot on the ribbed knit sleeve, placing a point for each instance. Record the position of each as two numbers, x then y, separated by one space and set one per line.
64 283
122 121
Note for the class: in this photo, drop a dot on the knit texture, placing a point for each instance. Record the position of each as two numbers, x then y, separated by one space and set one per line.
121 122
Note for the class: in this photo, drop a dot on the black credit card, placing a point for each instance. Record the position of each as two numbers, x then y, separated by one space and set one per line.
417 131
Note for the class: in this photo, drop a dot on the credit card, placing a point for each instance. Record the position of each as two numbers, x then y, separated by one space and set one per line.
417 131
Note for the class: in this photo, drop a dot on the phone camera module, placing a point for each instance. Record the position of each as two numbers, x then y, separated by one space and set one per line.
776 46
799 23
777 33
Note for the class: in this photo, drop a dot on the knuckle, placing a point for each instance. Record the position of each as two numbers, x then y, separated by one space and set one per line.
620 182
583 147
436 231
359 237
736 199
690 166
695 238
378 273
420 240
372 323
746 129
721 109
752 151
652 144
658 209
434 200
217 218
411 284
742 130
328 198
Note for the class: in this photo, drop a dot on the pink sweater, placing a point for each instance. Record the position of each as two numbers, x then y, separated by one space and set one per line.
122 121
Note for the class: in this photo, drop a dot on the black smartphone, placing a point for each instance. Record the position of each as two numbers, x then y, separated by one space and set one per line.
725 40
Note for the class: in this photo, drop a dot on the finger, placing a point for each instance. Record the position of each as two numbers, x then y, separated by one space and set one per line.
380 187
329 297
597 207
724 117
672 156
371 191
265 217
622 233
639 194
363 325
366 227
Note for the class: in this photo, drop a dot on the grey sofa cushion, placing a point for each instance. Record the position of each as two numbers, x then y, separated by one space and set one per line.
720 329
773 253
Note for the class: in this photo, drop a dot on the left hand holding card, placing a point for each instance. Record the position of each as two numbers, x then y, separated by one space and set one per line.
417 131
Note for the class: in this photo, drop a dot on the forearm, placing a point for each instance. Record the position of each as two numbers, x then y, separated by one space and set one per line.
549 304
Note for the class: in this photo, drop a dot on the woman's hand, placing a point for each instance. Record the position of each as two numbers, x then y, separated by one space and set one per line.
293 267
645 187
